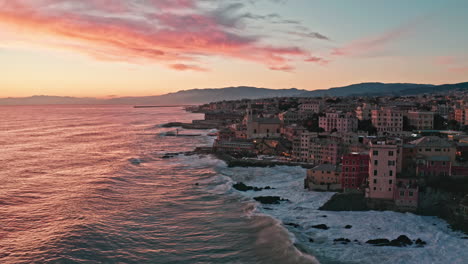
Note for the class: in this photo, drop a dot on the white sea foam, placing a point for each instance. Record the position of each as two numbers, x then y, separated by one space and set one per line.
444 245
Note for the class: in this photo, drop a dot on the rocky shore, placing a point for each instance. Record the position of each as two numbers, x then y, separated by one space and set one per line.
444 205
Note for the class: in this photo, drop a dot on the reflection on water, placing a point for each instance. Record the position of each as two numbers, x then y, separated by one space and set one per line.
70 192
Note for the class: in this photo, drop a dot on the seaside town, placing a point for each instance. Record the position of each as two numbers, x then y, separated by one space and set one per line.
406 154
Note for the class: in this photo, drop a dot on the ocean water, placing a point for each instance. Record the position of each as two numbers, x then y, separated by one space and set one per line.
89 184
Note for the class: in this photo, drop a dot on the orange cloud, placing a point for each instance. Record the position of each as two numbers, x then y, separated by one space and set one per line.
153 33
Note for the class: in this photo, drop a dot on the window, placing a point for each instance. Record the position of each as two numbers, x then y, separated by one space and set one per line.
376 162
390 153
390 173
375 152
402 193
375 180
389 189
391 163
390 181
375 172
410 193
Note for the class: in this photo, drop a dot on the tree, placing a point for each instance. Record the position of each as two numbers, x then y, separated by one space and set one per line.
406 125
312 123
366 125
453 125
440 123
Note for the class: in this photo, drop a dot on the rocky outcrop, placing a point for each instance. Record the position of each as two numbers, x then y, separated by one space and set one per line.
346 202
420 242
401 241
378 242
348 226
342 240
240 186
321 226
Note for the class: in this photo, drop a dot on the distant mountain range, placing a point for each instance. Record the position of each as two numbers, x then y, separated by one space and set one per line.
200 96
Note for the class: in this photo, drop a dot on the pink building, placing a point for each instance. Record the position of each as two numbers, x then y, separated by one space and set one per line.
407 194
387 121
311 106
355 170
433 166
338 121
421 120
324 152
383 168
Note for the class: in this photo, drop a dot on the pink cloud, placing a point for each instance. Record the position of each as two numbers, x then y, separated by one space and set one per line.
451 64
376 43
282 68
165 36
185 67
444 60
318 60
459 69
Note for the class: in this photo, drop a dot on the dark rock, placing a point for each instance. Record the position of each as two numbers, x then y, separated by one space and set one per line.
342 240
292 224
378 242
348 226
401 241
464 237
269 199
324 216
268 188
345 202
240 186
321 226
311 240
197 184
420 242
167 156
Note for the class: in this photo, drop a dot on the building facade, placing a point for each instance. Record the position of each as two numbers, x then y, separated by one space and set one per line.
339 122
355 171
387 121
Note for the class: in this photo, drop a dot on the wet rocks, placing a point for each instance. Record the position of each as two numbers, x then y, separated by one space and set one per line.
401 241
240 186
269 199
321 226
348 226
378 242
419 242
342 240
311 240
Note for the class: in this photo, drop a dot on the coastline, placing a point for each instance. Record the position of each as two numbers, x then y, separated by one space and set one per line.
300 214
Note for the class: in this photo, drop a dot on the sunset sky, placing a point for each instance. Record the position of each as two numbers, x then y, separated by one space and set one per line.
110 48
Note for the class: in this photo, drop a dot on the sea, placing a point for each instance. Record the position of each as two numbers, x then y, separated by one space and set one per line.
109 184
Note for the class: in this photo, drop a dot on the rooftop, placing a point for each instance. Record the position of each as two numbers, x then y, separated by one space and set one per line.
326 167
432 142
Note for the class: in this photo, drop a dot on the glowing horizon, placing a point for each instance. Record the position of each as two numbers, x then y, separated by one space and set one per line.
103 48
